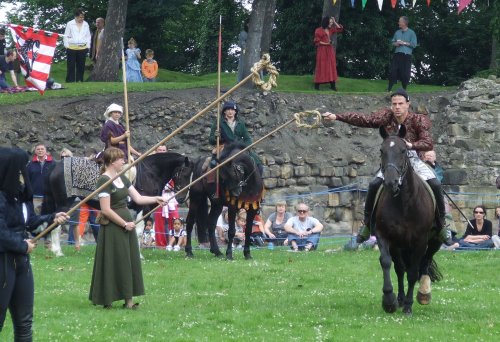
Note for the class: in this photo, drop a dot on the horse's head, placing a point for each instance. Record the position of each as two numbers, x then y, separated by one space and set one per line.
182 177
394 159
238 171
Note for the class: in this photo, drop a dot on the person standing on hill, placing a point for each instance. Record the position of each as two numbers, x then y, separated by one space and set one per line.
95 44
326 63
405 40
77 43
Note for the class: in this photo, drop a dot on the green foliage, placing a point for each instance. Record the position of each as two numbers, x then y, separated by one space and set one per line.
208 32
292 42
277 296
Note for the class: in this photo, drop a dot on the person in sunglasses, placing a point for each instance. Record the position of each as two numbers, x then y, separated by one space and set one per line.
303 230
477 236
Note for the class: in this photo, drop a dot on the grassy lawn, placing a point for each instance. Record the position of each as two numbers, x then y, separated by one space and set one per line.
277 296
176 80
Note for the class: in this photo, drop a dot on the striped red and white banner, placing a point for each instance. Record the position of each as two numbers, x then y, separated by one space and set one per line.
35 50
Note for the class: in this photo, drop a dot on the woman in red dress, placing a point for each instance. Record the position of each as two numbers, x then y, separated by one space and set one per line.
326 65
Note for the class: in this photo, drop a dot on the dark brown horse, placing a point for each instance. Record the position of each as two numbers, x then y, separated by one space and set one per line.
241 186
404 219
153 172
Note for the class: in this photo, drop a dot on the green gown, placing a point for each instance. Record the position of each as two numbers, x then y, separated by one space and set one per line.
117 270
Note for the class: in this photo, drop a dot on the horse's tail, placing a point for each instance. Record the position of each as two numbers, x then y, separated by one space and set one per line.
434 272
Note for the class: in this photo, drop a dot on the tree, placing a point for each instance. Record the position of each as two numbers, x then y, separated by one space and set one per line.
261 19
106 68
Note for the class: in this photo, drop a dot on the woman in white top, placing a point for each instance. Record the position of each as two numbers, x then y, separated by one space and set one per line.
77 43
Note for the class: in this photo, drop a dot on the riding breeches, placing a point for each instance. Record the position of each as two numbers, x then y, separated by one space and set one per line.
417 165
17 294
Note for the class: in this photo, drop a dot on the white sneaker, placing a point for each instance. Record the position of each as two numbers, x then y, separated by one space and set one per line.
169 248
496 241
176 248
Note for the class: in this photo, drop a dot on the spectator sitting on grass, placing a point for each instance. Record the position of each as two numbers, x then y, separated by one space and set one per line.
303 230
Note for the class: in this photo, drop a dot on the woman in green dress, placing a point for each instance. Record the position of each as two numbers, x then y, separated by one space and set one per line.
117 270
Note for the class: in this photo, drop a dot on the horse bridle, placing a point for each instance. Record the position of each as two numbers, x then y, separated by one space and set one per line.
190 181
401 173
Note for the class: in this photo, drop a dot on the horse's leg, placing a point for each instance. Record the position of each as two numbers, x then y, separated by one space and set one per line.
248 232
189 227
215 211
424 291
231 216
55 236
389 301
412 271
399 268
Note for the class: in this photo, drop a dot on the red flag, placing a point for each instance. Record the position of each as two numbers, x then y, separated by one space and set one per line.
35 50
462 4
393 3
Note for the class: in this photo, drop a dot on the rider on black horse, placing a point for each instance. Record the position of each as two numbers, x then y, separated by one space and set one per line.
418 138
231 129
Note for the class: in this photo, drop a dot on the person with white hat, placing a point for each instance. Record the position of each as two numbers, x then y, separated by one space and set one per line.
113 133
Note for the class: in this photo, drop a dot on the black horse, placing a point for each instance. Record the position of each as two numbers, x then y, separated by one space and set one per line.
153 172
241 187
404 220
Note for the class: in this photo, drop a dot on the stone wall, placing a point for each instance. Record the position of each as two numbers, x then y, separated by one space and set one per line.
328 167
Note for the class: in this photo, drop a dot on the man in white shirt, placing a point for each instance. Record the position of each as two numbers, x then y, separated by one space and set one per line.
303 230
77 43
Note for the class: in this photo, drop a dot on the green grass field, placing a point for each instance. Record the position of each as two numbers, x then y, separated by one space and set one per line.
277 296
176 80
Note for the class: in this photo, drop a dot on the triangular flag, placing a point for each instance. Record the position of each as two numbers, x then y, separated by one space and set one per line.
462 4
428 3
363 4
393 3
403 3
35 50
352 3
380 2
414 1
334 1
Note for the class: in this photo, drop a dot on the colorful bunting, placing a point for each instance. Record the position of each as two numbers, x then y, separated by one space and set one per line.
363 4
393 3
462 4
380 2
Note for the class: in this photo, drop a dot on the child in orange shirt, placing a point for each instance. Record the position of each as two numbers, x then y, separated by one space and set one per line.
149 67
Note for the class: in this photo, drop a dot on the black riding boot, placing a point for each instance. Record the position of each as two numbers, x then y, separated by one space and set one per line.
316 86
333 86
441 211
213 161
364 231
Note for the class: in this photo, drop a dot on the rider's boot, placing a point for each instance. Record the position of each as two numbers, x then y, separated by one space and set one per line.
364 231
440 217
213 161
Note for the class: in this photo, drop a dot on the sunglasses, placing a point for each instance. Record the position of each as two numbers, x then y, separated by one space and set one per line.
302 211
478 212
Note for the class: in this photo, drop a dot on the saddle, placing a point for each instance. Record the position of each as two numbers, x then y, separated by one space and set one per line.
205 168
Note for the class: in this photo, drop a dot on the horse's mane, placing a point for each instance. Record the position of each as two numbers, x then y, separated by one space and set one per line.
229 148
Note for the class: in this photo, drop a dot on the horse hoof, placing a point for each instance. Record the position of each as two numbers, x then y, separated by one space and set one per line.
408 311
229 257
248 257
389 303
218 255
423 299
189 255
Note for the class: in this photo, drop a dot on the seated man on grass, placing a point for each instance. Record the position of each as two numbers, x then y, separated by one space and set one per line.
303 230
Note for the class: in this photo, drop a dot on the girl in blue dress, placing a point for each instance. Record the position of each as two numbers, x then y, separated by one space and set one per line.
133 68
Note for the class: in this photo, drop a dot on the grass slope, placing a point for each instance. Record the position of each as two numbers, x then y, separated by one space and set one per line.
277 296
176 80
